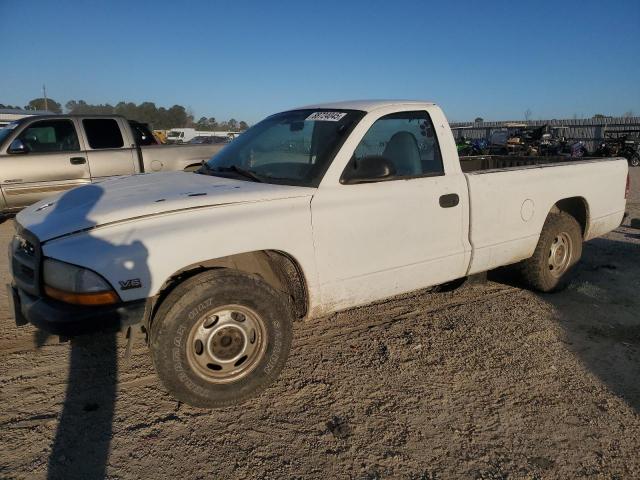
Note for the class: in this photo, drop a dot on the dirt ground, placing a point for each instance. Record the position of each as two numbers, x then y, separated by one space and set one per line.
487 382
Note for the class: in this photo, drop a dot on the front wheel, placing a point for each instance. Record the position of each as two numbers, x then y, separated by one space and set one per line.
220 338
634 161
559 249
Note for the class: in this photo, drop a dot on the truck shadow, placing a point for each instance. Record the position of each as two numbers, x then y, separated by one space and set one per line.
599 313
83 437
85 426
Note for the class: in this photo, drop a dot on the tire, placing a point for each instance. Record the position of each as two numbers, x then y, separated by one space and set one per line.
207 324
450 286
559 249
634 161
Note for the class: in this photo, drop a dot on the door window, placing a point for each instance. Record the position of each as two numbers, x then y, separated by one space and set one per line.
103 133
407 140
50 136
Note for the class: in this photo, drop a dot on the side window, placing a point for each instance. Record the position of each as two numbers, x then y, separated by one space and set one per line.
51 136
142 134
103 133
407 140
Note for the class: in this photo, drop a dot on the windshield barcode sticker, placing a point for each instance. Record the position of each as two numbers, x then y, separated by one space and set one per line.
326 116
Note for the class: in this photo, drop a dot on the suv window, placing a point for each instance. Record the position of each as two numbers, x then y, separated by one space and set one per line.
103 133
407 140
51 136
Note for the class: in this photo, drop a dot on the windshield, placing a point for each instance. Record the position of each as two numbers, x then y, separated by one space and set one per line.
292 148
6 130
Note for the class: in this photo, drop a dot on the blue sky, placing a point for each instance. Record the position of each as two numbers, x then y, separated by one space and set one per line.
245 59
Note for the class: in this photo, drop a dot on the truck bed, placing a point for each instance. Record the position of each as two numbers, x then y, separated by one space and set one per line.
484 163
510 198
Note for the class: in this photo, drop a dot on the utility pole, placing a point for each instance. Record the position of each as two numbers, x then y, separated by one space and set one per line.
44 94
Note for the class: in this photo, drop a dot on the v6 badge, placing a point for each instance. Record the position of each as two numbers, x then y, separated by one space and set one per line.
129 284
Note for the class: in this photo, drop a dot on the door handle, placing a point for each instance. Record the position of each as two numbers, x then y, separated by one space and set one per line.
449 200
77 160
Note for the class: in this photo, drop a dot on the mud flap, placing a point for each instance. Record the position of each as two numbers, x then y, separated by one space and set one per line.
14 306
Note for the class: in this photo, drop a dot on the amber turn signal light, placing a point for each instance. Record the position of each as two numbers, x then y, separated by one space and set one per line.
98 298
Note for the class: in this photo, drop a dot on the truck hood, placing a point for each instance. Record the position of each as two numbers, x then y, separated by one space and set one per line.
126 198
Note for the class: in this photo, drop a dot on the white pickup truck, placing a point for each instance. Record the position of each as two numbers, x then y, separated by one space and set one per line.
311 211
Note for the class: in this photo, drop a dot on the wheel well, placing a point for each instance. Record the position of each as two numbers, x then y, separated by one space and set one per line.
276 268
576 207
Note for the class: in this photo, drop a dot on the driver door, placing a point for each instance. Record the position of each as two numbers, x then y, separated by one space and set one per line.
381 238
50 162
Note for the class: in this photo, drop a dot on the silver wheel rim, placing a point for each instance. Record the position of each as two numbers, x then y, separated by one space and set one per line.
560 254
226 344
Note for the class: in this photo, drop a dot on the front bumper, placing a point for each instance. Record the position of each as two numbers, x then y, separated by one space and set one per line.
60 318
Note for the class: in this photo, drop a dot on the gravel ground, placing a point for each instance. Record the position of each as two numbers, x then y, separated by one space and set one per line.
488 382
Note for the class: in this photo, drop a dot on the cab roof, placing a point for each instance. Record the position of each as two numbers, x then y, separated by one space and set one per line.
366 105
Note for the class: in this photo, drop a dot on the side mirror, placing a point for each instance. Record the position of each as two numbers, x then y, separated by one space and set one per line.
373 168
18 146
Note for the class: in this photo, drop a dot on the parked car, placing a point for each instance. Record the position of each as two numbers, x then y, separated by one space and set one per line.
217 265
211 140
43 155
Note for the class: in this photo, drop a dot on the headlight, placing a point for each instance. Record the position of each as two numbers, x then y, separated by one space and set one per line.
73 284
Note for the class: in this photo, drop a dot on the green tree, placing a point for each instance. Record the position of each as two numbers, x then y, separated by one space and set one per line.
126 109
176 117
81 107
478 120
39 104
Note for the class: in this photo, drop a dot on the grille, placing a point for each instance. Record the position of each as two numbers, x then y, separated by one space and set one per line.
25 261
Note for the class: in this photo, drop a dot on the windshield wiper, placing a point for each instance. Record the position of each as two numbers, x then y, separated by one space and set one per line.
241 171
208 170
204 168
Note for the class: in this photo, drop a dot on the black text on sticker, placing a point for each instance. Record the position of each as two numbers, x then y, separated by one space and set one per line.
326 116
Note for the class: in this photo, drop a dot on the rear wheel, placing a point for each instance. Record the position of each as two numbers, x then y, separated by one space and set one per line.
559 249
634 161
220 338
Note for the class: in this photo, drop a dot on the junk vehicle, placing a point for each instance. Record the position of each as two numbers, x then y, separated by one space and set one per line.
215 266
554 141
45 154
623 143
469 147
514 139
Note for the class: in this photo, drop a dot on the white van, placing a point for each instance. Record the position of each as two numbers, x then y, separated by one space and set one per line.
183 135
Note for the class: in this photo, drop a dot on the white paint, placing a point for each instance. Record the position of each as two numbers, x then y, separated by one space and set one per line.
498 234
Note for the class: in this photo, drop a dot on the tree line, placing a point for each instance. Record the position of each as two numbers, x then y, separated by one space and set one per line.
160 118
